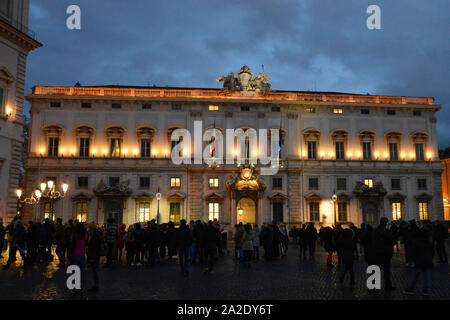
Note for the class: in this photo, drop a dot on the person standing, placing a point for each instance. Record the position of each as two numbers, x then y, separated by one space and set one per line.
59 239
422 252
170 240
247 244
93 253
346 245
302 242
79 242
183 242
128 239
111 240
256 242
211 238
17 243
383 243
238 241
120 242
311 237
440 236
328 238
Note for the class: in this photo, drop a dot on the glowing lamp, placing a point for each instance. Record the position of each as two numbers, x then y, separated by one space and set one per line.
94 151
331 154
50 184
359 154
322 154
385 154
429 155
9 111
166 152
63 150
135 152
125 151
42 150
403 155
349 154
19 193
104 152
155 151
65 187
38 193
72 152
411 155
377 155
43 186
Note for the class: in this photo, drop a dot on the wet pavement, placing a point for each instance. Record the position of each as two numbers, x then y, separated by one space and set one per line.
289 278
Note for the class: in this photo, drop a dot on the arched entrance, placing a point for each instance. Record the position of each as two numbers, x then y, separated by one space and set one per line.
246 211
113 210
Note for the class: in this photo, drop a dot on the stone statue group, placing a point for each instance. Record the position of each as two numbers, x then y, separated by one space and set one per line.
245 81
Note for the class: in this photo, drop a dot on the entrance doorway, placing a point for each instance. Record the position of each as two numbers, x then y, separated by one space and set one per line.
246 211
370 213
113 210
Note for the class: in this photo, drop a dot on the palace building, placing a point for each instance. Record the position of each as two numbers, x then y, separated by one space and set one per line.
112 144
16 41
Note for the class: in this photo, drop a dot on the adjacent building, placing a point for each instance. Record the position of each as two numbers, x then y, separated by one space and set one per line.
445 162
112 145
16 41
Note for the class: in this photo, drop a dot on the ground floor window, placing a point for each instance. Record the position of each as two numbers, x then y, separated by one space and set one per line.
278 211
49 210
314 213
213 211
144 211
423 210
175 212
396 211
81 213
342 211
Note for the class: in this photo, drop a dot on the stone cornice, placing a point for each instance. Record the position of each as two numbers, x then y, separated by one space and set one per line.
18 37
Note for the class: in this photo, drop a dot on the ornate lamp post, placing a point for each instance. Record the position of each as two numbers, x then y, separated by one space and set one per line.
33 199
158 197
334 198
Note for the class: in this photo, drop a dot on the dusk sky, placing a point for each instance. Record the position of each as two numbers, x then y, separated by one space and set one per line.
318 45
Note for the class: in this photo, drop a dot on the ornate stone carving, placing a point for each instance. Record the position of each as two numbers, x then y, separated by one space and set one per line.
245 81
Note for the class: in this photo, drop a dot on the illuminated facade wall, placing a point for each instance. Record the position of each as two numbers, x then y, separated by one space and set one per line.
333 144
446 187
15 43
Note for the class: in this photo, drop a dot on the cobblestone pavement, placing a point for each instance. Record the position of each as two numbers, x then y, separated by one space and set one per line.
289 278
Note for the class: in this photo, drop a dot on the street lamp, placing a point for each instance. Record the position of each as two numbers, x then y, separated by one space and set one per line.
33 199
334 198
158 197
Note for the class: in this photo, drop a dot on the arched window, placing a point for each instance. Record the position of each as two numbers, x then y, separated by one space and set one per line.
312 139
419 140
114 135
393 140
53 135
367 140
281 141
339 138
145 135
84 136
173 144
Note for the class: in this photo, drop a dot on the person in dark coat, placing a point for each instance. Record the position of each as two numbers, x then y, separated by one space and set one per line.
183 242
311 238
18 243
302 241
32 242
211 238
162 241
170 240
355 238
440 236
367 243
329 244
395 233
406 231
59 240
197 235
383 243
2 237
152 241
346 244
139 243
422 251
276 239
338 232
93 253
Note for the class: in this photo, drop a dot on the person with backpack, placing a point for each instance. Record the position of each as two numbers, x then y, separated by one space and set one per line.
183 242
94 251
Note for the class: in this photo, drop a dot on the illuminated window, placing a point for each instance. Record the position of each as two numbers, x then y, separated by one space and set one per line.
340 152
342 211
338 110
175 212
310 110
393 140
314 212
368 182
213 211
419 151
396 211
144 211
423 210
84 147
115 136
175 182
49 210
115 144
53 144
81 211
213 108
367 139
312 150
213 182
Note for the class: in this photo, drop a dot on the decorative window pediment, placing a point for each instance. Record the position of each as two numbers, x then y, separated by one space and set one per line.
84 131
313 196
311 135
278 197
214 197
145 132
6 76
53 130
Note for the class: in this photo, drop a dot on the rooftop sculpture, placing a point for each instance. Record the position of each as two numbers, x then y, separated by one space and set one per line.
245 81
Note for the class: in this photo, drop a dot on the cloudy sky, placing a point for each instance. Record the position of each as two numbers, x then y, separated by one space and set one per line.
321 45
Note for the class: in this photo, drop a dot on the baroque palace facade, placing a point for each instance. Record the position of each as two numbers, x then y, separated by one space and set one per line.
112 146
16 41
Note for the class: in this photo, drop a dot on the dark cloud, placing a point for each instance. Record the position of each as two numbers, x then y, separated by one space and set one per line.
321 45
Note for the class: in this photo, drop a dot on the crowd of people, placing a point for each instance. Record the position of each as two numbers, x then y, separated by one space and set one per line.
142 245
